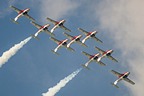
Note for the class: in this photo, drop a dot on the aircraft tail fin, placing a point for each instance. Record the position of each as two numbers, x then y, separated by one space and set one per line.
55 52
114 85
83 65
35 37
14 21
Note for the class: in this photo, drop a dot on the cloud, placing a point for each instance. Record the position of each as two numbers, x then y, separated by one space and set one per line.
123 19
56 9
5 10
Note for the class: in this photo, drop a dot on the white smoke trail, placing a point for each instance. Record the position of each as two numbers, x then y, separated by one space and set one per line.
52 91
12 51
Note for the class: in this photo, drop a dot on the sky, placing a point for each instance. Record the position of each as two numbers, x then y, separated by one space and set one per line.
34 68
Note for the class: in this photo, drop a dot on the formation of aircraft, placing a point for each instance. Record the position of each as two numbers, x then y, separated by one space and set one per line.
92 58
60 44
64 43
22 13
58 24
120 76
43 28
89 35
74 39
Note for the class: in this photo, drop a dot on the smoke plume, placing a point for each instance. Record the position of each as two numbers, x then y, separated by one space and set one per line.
52 91
12 51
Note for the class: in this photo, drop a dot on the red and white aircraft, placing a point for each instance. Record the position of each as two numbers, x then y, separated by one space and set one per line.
120 76
58 24
74 39
21 13
92 58
60 44
43 28
89 35
106 53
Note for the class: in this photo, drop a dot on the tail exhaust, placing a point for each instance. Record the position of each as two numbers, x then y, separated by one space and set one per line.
114 85
35 37
83 65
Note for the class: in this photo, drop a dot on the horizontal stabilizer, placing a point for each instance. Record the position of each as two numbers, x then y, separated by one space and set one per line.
14 21
85 67
114 85
71 49
55 52
35 37
83 44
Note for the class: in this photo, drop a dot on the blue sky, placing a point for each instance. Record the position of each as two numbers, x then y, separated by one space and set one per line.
35 68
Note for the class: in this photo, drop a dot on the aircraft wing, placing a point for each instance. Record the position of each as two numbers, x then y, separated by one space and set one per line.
82 30
97 39
128 80
36 25
112 58
116 73
53 21
16 9
67 35
86 54
29 17
63 27
55 40
100 50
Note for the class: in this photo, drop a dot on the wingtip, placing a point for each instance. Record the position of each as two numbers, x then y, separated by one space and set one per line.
96 47
64 33
111 70
101 41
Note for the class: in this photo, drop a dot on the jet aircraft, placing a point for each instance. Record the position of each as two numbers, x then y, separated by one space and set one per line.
21 13
74 39
120 76
89 35
58 24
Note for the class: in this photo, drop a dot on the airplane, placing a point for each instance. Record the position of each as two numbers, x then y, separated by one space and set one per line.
106 53
43 28
60 44
89 35
21 13
92 58
74 39
58 24
120 76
